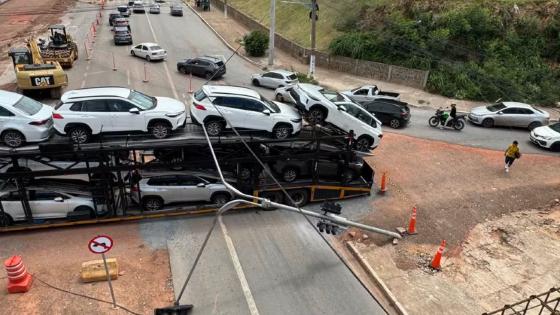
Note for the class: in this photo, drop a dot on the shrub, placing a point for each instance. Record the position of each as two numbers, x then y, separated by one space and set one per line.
256 43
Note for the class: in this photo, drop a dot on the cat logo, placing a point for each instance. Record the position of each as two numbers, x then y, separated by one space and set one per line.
42 81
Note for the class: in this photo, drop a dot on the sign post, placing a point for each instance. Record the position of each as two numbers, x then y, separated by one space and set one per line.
100 245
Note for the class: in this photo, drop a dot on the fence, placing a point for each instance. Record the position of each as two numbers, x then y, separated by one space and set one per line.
543 304
365 68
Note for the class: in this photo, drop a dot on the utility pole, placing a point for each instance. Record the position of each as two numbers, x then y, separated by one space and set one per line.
313 31
225 9
272 32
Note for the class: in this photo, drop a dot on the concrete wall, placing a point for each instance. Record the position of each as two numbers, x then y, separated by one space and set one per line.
365 68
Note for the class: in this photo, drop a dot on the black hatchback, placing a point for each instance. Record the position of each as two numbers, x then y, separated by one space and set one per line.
393 113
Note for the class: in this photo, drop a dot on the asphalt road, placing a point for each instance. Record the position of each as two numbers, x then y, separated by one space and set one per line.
282 266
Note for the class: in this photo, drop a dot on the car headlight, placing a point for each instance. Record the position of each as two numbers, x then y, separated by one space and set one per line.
174 114
298 120
544 137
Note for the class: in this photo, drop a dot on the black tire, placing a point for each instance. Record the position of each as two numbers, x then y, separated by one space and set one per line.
299 196
182 70
488 123
282 131
244 173
289 174
433 121
214 127
132 53
220 198
364 143
6 219
459 124
79 134
534 125
317 115
160 130
395 123
88 209
256 82
208 75
13 138
148 59
555 146
279 97
152 203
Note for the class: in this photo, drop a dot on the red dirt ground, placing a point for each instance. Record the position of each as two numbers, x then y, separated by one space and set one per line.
56 256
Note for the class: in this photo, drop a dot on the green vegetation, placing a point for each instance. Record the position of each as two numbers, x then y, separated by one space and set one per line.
256 43
473 52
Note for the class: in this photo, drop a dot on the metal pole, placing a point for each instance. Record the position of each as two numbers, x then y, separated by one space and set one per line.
225 9
313 34
109 280
272 32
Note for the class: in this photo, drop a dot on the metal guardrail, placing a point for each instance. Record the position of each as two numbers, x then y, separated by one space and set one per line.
543 304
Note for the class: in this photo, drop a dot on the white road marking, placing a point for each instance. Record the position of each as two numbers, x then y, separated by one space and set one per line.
83 84
239 270
128 77
167 73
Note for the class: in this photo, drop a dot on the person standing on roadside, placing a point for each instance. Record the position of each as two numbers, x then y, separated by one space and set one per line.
512 153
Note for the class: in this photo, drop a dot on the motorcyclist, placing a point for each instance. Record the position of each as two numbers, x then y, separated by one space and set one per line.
452 115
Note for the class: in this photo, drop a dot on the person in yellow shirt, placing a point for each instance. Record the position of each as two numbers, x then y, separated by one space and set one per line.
512 153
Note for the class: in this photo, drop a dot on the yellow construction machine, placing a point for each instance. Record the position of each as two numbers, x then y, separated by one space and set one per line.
60 48
32 73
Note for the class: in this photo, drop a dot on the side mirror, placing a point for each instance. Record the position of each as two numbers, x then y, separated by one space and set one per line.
134 110
341 108
201 185
266 112
58 199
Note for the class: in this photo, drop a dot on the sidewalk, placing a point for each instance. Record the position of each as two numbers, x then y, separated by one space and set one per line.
232 32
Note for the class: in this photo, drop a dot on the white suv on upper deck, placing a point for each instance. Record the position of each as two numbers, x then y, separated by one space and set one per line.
91 111
243 108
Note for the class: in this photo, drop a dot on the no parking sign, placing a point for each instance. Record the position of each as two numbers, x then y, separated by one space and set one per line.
100 244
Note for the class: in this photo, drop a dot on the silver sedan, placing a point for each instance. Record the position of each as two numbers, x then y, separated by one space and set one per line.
509 114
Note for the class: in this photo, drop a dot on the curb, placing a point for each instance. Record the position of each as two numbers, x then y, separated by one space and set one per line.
376 279
220 36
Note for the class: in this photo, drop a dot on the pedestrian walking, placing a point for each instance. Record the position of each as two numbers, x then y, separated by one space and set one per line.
512 153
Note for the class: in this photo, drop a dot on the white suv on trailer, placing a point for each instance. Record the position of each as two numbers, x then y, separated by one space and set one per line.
85 112
325 106
244 109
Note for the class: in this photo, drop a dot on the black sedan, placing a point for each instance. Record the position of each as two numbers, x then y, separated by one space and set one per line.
392 113
207 67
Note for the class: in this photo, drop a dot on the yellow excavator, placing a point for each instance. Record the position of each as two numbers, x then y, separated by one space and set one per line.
32 73
61 47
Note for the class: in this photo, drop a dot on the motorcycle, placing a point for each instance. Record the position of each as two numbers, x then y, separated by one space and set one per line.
441 116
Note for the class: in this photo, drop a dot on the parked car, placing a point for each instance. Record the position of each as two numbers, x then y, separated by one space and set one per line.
390 112
368 93
176 9
206 66
274 79
325 106
85 112
547 136
122 35
45 203
138 7
161 190
124 10
243 108
509 114
113 16
154 8
23 119
149 51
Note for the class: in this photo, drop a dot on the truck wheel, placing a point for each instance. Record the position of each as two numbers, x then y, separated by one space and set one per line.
299 196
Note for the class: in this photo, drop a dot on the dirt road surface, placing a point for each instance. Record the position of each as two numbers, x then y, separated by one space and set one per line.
56 256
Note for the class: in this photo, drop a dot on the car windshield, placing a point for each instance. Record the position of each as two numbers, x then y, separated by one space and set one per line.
358 88
155 48
199 95
292 77
555 127
271 104
332 95
496 107
142 100
28 106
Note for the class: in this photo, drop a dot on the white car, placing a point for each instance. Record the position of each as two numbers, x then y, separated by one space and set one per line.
274 79
325 106
161 190
45 203
23 119
149 51
243 108
138 7
154 8
85 112
547 136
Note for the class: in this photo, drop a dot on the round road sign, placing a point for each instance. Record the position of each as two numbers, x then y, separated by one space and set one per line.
100 244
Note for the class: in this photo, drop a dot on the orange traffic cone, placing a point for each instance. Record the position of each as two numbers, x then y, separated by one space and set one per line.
383 183
412 223
436 262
